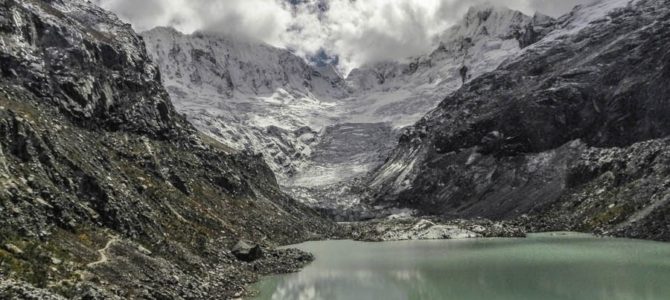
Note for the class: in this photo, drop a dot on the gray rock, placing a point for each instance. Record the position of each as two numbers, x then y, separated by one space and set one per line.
247 251
13 249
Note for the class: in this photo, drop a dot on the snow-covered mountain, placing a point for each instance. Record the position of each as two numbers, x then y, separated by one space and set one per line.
314 127
398 172
248 95
403 92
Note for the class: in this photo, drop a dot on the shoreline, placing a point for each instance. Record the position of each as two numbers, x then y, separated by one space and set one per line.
428 229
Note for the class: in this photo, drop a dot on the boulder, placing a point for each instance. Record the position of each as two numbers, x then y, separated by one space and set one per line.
247 251
13 249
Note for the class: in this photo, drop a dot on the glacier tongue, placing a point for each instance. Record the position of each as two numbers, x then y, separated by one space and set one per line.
317 130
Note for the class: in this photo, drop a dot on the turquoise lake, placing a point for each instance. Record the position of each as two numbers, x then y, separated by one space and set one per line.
542 266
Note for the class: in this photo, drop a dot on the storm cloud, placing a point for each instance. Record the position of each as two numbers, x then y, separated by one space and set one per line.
355 31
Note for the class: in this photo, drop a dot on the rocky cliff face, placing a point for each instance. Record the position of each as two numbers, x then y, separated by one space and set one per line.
93 71
106 191
572 127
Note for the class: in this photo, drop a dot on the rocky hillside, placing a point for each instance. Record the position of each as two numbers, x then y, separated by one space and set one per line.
107 192
571 131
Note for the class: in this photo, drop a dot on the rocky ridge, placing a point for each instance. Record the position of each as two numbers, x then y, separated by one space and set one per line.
107 192
570 131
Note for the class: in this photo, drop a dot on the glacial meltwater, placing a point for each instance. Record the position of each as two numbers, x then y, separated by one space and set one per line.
542 266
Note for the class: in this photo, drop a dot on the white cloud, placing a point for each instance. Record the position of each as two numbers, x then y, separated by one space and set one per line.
265 20
358 31
372 30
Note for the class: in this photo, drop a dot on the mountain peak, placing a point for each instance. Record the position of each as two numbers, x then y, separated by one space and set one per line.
486 7
163 29
489 19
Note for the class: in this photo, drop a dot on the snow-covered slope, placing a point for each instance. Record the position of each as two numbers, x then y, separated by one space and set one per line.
403 92
314 127
388 96
248 95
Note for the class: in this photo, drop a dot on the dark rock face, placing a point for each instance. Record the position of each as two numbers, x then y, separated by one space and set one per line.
537 29
105 190
523 138
88 64
617 191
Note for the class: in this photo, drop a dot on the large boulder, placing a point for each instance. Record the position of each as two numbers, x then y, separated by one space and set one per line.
247 251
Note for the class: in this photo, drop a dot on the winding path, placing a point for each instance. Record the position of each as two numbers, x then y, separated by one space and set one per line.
103 253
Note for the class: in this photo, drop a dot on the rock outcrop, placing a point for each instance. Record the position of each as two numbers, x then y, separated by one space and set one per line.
247 251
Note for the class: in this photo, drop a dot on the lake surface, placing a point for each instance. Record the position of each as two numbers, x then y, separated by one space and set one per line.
543 266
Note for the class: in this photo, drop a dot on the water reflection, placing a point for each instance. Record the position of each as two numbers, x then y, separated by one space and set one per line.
542 267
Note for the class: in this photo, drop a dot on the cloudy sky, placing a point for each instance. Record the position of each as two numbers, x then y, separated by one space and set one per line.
355 31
